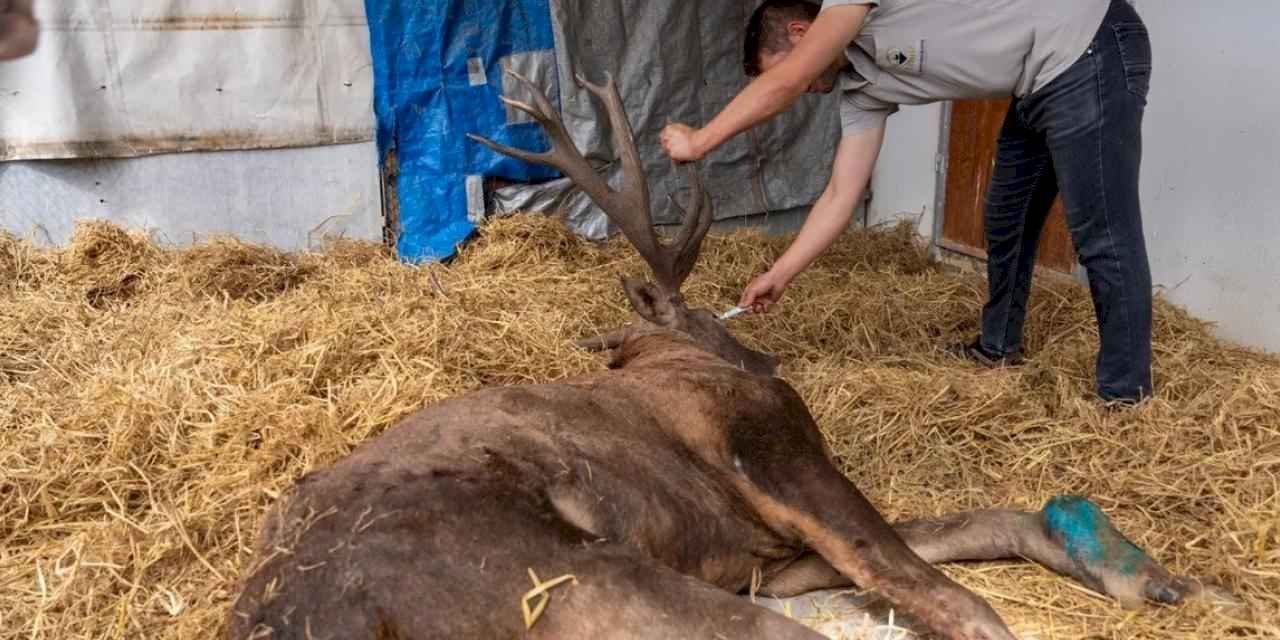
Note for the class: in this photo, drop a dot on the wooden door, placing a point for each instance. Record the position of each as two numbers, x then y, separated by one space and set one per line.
975 125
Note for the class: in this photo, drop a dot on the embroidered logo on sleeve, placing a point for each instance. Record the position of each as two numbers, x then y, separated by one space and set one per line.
907 58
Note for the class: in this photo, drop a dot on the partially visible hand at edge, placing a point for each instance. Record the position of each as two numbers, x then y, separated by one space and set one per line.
19 32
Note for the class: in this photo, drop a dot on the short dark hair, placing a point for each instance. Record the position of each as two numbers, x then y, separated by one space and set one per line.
767 29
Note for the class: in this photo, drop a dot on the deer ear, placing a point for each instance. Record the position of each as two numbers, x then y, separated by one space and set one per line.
650 302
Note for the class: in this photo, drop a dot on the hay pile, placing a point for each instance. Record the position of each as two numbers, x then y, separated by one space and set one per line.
153 402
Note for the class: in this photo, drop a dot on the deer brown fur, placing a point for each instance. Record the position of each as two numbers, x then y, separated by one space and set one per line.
664 485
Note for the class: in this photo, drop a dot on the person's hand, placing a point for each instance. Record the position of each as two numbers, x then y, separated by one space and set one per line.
679 141
763 292
19 32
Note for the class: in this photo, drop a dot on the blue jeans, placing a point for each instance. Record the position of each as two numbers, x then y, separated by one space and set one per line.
1080 135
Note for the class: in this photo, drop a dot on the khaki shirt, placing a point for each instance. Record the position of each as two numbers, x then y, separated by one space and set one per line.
921 51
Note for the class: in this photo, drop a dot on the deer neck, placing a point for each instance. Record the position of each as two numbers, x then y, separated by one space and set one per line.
661 348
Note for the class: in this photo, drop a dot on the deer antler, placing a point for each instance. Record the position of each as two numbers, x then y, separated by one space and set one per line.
628 208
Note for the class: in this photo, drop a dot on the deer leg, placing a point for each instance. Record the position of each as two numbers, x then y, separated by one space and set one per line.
833 518
810 572
1070 536
783 471
619 596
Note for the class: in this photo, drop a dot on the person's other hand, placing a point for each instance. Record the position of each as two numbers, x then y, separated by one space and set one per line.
679 141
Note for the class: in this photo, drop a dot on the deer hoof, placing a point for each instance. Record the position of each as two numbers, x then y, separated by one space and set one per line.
1105 560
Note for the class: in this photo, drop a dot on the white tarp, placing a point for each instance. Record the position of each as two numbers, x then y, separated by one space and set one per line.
121 78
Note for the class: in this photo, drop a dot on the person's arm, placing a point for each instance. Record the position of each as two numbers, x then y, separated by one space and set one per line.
18 30
774 90
851 171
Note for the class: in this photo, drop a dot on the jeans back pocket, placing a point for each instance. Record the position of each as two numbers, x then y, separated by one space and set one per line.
1135 54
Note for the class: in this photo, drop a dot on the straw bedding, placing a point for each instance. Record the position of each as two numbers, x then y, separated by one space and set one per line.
153 402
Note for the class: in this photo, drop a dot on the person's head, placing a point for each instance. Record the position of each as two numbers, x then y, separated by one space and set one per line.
775 28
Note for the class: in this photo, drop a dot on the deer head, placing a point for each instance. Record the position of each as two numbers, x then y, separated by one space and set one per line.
658 304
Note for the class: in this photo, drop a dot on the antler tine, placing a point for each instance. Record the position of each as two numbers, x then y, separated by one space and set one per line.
527 156
541 110
633 216
697 222
563 155
628 208
623 135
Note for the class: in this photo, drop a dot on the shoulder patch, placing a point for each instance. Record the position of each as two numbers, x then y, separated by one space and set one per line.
903 57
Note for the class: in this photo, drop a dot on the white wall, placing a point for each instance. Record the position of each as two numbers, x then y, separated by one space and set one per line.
276 101
1211 163
288 198
905 181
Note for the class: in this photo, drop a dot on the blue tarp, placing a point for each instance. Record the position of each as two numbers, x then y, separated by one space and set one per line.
426 103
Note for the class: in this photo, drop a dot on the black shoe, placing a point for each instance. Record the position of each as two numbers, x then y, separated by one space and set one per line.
976 352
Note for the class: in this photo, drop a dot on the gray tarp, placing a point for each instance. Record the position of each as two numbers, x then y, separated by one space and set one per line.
677 60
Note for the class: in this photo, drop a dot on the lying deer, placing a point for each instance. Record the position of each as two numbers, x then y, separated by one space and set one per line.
664 486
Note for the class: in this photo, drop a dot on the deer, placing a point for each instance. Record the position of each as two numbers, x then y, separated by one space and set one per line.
639 501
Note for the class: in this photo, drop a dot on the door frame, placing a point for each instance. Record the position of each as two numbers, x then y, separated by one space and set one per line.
940 165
